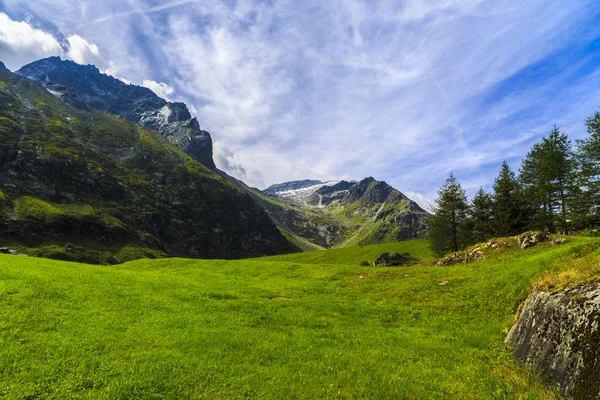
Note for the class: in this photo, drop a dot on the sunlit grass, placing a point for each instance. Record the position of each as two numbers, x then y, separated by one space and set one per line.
265 328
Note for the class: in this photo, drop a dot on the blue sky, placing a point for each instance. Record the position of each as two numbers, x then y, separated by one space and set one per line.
404 91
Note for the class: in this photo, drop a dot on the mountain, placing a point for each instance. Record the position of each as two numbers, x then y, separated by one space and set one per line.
78 183
135 103
279 188
343 213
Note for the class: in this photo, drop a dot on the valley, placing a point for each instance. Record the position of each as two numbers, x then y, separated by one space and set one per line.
308 325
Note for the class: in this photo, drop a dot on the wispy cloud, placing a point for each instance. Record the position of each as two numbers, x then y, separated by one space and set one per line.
401 90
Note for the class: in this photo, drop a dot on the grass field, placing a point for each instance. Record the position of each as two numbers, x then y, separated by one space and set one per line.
302 326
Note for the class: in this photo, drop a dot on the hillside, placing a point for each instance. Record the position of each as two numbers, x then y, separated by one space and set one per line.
270 329
80 184
68 79
342 213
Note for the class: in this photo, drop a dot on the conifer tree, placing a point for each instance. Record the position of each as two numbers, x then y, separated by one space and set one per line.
447 231
587 194
548 176
509 211
481 216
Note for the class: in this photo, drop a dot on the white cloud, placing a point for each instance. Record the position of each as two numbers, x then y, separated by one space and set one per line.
425 202
20 43
160 89
83 52
399 90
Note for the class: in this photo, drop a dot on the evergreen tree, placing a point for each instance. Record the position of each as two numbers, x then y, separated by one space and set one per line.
548 174
508 208
481 216
587 194
447 226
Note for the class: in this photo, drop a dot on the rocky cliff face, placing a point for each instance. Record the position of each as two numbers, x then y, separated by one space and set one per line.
346 213
558 335
73 178
137 104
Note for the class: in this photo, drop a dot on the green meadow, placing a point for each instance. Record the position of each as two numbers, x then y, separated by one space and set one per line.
303 326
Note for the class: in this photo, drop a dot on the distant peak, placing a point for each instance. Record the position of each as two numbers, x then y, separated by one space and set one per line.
3 67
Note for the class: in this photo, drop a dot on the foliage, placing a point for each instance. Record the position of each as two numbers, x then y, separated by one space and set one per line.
548 174
508 204
481 216
447 225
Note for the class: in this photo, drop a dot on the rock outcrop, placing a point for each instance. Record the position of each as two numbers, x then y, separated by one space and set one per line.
136 103
393 259
3 67
558 335
530 239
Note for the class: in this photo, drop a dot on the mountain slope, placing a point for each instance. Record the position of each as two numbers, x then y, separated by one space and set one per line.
77 183
345 213
137 104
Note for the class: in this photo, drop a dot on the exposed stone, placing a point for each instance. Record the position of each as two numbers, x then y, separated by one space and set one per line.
393 259
558 335
5 250
453 259
498 244
558 241
474 254
530 239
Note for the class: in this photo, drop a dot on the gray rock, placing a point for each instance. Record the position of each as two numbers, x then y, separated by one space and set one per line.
3 67
530 239
558 335
136 103
393 259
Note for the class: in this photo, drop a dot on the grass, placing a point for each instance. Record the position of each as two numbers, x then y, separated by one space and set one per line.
356 255
267 328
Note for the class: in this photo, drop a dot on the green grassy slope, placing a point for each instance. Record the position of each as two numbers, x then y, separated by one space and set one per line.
355 255
177 328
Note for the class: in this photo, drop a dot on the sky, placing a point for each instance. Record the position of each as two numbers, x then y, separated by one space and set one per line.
404 91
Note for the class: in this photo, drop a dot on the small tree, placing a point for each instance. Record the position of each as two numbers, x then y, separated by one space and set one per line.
447 232
481 216
508 205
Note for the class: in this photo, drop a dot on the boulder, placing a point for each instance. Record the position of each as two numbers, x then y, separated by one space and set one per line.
474 254
557 335
530 239
393 259
453 259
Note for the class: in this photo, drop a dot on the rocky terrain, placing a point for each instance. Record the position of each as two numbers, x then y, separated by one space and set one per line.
343 213
135 103
81 184
557 334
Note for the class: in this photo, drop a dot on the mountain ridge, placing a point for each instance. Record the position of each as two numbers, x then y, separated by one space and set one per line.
82 184
136 103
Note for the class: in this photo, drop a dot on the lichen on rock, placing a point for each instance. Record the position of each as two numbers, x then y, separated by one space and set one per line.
558 335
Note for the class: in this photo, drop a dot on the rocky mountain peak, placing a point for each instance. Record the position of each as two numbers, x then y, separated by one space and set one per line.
3 67
136 103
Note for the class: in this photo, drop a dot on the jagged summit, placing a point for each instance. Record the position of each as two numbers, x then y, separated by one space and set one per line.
345 213
292 185
3 67
136 103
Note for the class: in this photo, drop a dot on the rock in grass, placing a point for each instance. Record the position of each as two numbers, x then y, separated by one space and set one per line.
530 239
393 259
557 334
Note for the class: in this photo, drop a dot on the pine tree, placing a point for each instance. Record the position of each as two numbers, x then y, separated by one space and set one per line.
509 211
587 194
548 174
447 231
481 216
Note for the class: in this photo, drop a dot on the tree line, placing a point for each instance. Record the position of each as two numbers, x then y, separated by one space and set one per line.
557 189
